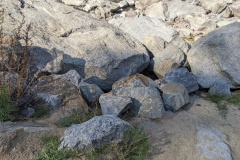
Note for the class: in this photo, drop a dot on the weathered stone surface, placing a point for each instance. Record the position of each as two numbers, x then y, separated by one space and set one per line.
60 95
219 88
142 4
235 8
144 26
174 96
136 80
100 53
74 2
215 57
71 76
212 146
157 10
115 105
96 131
155 44
215 6
28 112
182 76
11 132
178 8
145 96
90 93
169 59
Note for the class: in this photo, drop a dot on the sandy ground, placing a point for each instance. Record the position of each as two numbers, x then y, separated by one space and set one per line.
173 137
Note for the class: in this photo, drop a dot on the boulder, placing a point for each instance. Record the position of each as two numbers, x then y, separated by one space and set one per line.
146 98
100 53
169 59
214 58
155 44
94 132
181 76
219 88
115 105
90 93
28 112
174 96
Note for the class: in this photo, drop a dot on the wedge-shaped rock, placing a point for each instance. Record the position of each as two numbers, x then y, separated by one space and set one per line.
98 130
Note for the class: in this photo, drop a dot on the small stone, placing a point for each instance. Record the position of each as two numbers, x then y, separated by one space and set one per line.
219 88
28 112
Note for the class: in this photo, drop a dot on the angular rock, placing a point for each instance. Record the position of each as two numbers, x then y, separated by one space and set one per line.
155 44
182 76
214 58
174 96
71 76
95 132
115 105
100 53
219 88
169 59
142 27
136 80
90 93
58 94
212 146
145 96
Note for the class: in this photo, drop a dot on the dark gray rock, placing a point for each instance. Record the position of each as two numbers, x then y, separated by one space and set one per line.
181 76
28 112
174 96
215 57
96 131
115 105
90 93
219 88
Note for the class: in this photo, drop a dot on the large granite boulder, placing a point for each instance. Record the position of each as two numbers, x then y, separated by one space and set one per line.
94 132
215 58
100 53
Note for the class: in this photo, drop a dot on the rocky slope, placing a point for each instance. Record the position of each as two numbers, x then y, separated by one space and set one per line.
143 60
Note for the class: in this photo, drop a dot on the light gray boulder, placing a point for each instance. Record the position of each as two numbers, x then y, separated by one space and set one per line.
155 44
115 105
90 93
100 53
235 8
94 132
214 58
181 76
174 96
211 145
169 59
